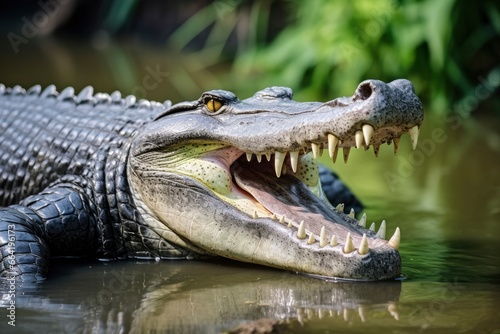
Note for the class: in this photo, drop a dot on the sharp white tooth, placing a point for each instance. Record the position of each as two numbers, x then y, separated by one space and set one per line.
282 219
283 170
340 207
396 144
290 224
349 246
368 133
372 227
274 217
346 153
255 214
363 247
268 156
362 221
316 150
294 160
333 141
352 213
395 239
358 138
322 237
311 239
333 241
301 232
334 158
249 156
259 157
414 136
381 230
279 158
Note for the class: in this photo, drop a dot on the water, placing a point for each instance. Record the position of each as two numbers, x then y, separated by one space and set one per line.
445 197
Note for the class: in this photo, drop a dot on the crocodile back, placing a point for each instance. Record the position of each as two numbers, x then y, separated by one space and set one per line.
46 135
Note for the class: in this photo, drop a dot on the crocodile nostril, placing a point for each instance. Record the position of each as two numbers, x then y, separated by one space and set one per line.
364 91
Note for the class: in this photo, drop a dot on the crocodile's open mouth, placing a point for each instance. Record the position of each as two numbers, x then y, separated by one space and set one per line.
284 188
294 199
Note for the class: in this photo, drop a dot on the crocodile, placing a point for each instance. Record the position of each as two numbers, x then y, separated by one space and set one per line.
111 177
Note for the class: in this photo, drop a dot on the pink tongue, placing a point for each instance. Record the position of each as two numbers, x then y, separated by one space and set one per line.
287 196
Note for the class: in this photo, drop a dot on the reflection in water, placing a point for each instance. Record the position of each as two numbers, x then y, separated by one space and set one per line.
205 297
195 297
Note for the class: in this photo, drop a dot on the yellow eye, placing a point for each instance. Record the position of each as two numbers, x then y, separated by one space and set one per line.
213 105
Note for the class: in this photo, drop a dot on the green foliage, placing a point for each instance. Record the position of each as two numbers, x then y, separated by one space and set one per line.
333 45
118 13
221 19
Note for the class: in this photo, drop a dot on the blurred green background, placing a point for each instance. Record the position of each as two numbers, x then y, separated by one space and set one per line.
322 49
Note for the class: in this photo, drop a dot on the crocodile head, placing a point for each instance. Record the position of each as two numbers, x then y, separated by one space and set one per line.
239 178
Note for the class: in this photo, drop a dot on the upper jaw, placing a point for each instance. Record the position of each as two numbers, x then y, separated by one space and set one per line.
377 113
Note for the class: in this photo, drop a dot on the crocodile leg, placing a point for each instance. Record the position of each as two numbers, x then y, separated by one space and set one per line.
56 222
23 251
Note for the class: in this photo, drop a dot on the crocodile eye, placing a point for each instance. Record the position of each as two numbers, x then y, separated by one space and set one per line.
213 105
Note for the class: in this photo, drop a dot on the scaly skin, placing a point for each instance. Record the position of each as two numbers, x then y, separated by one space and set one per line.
98 175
